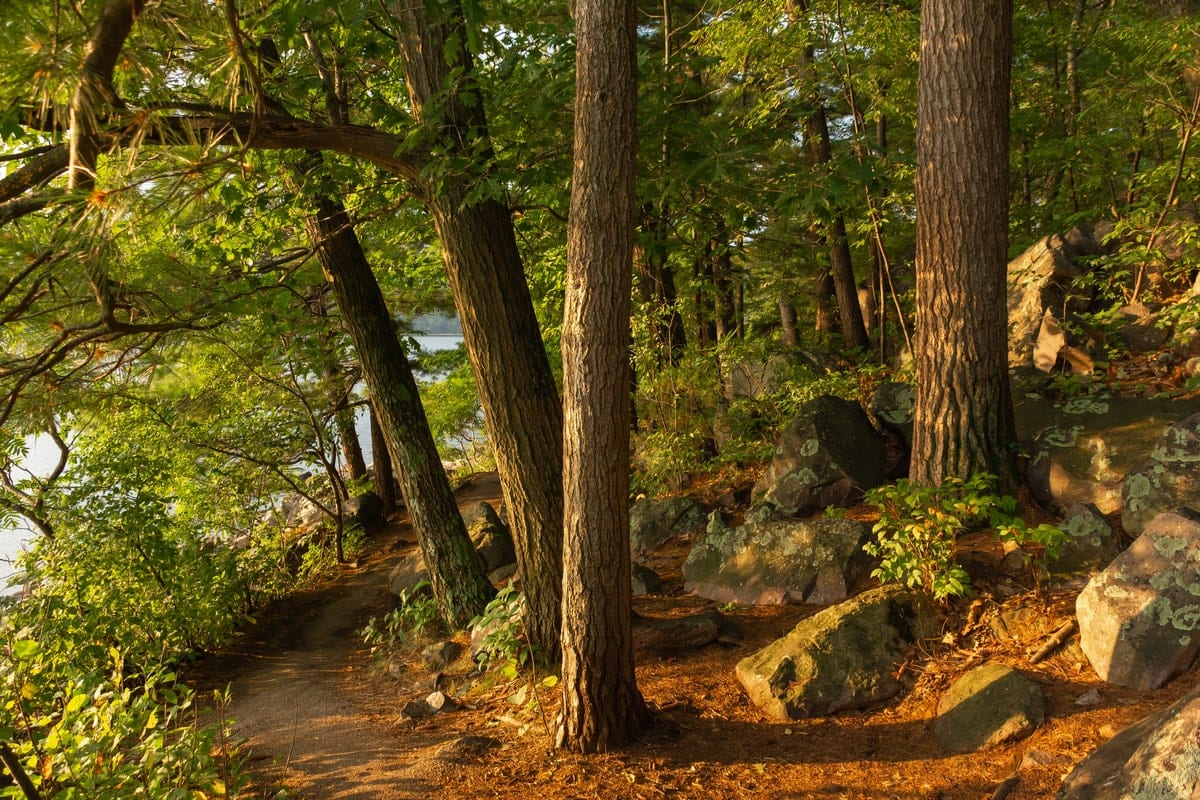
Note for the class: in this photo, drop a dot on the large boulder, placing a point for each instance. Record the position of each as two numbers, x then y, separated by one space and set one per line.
1168 477
1138 618
843 657
652 522
490 536
1043 277
1157 758
988 706
827 456
767 563
1083 448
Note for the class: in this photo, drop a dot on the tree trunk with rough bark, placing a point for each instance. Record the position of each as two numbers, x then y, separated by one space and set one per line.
963 421
460 585
601 705
508 357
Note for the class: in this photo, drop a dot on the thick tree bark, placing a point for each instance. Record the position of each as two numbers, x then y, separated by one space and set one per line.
601 705
963 417
500 329
789 333
385 476
459 583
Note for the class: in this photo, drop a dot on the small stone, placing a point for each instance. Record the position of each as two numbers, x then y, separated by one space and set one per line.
439 655
466 747
440 701
1089 698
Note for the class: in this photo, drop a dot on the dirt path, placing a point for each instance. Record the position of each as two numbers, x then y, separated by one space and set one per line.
298 696
321 723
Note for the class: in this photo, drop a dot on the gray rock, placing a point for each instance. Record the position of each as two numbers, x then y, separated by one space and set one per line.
827 456
764 563
490 536
465 748
1091 541
1145 334
675 634
892 405
439 655
652 522
645 581
1168 477
1083 448
842 657
986 707
1156 759
435 703
1043 277
408 574
1138 618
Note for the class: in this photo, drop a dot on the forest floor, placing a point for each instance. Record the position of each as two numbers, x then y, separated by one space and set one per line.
321 717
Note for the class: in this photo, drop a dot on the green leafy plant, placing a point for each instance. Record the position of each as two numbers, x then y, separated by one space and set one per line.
415 614
919 525
504 642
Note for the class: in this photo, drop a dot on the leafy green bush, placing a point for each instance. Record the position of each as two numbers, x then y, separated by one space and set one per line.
504 644
416 613
919 525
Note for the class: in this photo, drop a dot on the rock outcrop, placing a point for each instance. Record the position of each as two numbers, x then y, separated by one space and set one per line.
1168 477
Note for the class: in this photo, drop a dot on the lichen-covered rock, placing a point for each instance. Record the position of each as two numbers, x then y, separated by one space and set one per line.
892 405
652 522
986 707
1138 618
490 536
1157 759
1168 477
827 456
840 658
1091 541
767 563
1084 448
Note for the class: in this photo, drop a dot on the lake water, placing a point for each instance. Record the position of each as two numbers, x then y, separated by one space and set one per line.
43 455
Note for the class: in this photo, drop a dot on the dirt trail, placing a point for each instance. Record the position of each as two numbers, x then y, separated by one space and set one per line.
298 699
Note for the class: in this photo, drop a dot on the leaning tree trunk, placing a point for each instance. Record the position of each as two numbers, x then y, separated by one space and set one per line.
455 571
963 421
601 705
500 329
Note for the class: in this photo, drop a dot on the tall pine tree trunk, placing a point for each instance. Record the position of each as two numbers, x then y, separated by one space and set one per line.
601 705
512 371
963 421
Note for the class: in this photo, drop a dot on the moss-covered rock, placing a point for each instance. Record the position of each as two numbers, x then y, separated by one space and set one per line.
827 456
841 658
988 706
768 563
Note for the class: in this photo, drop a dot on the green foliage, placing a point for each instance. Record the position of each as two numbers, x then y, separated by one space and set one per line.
919 525
105 733
415 615
504 645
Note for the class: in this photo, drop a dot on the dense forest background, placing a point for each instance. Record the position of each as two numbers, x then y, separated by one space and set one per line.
215 218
